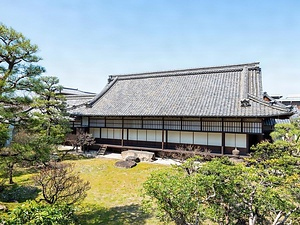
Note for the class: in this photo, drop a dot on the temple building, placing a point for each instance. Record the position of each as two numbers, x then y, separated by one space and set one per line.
217 108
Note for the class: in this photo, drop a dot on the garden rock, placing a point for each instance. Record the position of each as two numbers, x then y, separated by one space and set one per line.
125 164
142 155
133 158
3 208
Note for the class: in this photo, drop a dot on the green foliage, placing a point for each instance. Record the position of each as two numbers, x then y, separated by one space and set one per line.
224 192
17 67
4 135
20 80
29 102
32 213
102 205
50 118
25 149
289 132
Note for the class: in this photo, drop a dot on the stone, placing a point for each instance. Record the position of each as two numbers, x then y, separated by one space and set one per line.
235 152
133 158
142 155
125 164
3 208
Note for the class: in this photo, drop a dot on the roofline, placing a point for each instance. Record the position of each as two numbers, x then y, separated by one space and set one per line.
76 89
234 67
274 105
187 116
98 96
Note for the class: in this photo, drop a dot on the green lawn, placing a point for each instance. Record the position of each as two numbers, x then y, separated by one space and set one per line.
114 197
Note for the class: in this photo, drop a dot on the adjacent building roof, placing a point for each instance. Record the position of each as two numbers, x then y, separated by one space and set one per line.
290 98
226 91
74 92
76 98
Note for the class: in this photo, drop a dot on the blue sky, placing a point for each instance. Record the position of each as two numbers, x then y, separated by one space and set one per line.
82 42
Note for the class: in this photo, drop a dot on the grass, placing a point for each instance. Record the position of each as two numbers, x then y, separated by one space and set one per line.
114 197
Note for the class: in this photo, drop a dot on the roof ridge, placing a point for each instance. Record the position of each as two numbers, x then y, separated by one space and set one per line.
188 71
260 101
106 88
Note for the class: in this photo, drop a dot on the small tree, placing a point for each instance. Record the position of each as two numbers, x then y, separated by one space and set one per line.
61 185
84 139
26 149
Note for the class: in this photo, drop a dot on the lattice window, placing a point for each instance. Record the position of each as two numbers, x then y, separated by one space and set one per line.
211 124
113 123
76 122
97 122
232 125
152 124
172 124
133 123
191 124
110 133
252 125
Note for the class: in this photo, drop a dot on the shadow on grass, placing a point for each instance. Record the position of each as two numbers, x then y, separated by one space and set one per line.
24 171
18 193
128 214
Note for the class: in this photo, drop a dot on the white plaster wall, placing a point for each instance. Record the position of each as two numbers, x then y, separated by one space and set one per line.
229 140
214 139
85 121
110 133
174 136
125 134
95 132
239 142
151 135
142 135
117 133
154 135
200 138
187 137
132 135
103 132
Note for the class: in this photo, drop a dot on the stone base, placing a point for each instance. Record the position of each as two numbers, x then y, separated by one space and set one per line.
142 155
125 164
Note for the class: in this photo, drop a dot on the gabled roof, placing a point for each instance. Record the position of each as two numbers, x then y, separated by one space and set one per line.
226 91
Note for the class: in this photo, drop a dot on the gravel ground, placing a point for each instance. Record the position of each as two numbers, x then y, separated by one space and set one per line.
118 156
158 160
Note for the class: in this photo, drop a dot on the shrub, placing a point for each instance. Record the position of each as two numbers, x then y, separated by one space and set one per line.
41 214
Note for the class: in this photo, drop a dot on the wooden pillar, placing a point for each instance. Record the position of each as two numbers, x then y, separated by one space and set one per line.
163 135
122 141
223 138
201 124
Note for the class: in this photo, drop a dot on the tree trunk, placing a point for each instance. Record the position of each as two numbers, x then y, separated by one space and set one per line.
10 173
252 220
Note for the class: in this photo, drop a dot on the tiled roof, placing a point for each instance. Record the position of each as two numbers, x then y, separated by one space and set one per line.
290 98
206 92
272 121
73 91
78 101
76 98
